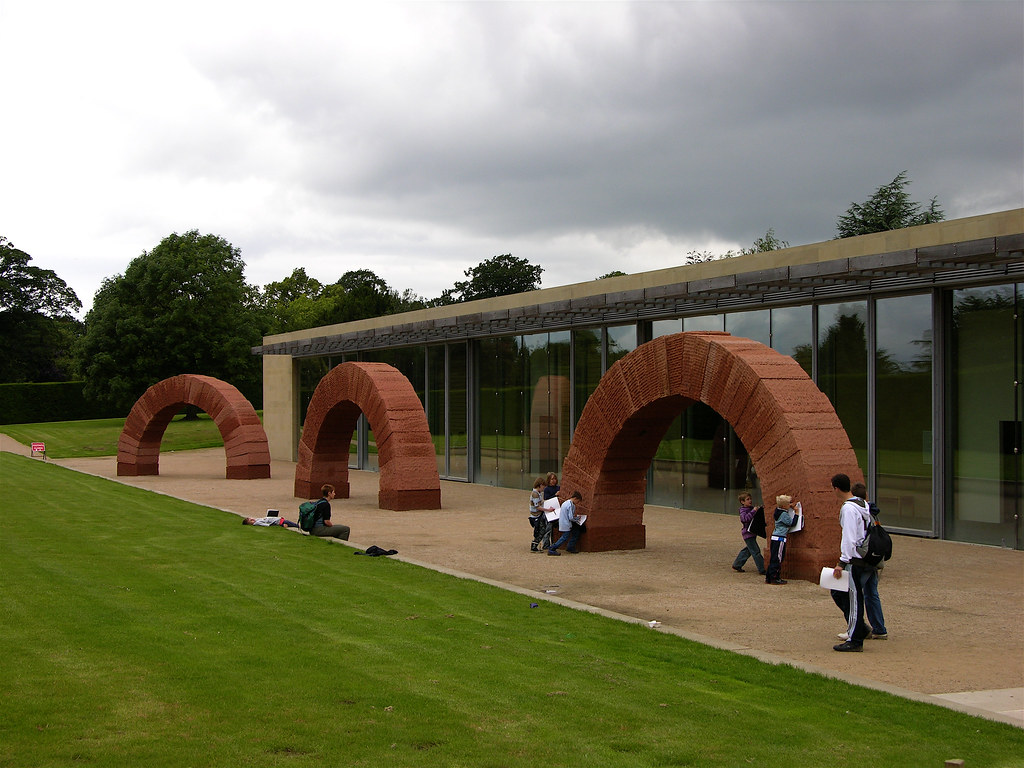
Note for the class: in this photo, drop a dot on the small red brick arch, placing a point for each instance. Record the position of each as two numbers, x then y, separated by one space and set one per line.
405 450
245 442
788 426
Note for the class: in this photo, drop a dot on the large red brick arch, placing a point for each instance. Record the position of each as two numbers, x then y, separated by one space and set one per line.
788 426
405 450
245 442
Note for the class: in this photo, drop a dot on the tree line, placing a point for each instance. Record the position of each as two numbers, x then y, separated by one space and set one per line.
185 307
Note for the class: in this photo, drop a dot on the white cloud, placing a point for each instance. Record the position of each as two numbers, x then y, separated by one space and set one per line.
418 139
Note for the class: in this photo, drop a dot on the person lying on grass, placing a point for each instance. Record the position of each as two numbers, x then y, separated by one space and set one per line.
266 521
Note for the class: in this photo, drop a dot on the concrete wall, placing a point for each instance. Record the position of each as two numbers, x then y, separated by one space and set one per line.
281 406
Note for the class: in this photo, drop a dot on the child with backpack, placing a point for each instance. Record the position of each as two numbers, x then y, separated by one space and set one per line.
750 547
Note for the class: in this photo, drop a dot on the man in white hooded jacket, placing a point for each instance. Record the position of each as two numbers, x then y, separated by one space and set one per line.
853 517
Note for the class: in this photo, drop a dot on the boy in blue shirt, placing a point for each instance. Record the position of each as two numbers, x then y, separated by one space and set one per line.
785 518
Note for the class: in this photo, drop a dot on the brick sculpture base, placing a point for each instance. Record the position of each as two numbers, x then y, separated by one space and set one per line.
405 450
245 442
790 429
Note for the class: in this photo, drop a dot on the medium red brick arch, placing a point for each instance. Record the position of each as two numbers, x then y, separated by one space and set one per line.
245 442
788 426
405 450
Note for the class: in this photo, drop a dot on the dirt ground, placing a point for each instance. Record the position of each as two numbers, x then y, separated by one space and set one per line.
954 611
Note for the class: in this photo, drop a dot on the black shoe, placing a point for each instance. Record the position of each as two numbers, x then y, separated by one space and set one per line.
781 581
738 570
554 553
533 547
849 647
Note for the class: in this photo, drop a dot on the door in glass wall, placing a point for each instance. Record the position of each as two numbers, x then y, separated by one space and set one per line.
435 403
458 408
843 369
548 400
500 413
985 416
707 469
903 411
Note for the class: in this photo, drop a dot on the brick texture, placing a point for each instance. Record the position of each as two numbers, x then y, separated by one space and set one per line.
245 442
793 435
405 449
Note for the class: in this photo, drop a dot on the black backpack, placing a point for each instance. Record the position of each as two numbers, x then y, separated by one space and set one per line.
877 544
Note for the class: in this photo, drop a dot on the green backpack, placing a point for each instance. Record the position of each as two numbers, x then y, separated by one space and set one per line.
307 514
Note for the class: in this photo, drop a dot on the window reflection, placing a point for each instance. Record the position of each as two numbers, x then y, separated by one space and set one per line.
903 412
843 368
986 418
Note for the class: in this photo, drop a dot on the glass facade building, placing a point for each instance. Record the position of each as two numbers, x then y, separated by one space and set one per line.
924 373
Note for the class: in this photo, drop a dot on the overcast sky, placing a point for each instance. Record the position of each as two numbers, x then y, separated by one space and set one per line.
419 139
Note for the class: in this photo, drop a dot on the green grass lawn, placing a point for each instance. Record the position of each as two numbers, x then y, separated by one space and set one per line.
98 437
138 629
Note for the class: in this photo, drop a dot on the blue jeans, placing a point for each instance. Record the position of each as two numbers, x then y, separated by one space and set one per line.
750 549
873 605
852 603
778 552
571 536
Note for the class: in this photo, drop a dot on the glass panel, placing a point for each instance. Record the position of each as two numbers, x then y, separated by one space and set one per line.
488 412
435 404
500 377
587 366
985 420
549 412
843 366
755 325
458 427
621 341
903 411
458 422
792 334
512 456
666 486
705 459
665 327
704 323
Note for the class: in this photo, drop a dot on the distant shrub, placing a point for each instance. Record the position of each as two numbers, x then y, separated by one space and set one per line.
51 401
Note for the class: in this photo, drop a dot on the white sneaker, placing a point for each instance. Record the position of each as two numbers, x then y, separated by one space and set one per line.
843 636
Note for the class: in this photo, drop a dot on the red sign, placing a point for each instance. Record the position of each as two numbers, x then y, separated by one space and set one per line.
38 447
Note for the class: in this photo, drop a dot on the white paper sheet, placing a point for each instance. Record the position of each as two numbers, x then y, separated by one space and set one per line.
829 581
799 524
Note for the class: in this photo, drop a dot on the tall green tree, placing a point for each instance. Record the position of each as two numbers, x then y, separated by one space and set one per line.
890 207
183 307
37 324
497 276
299 301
